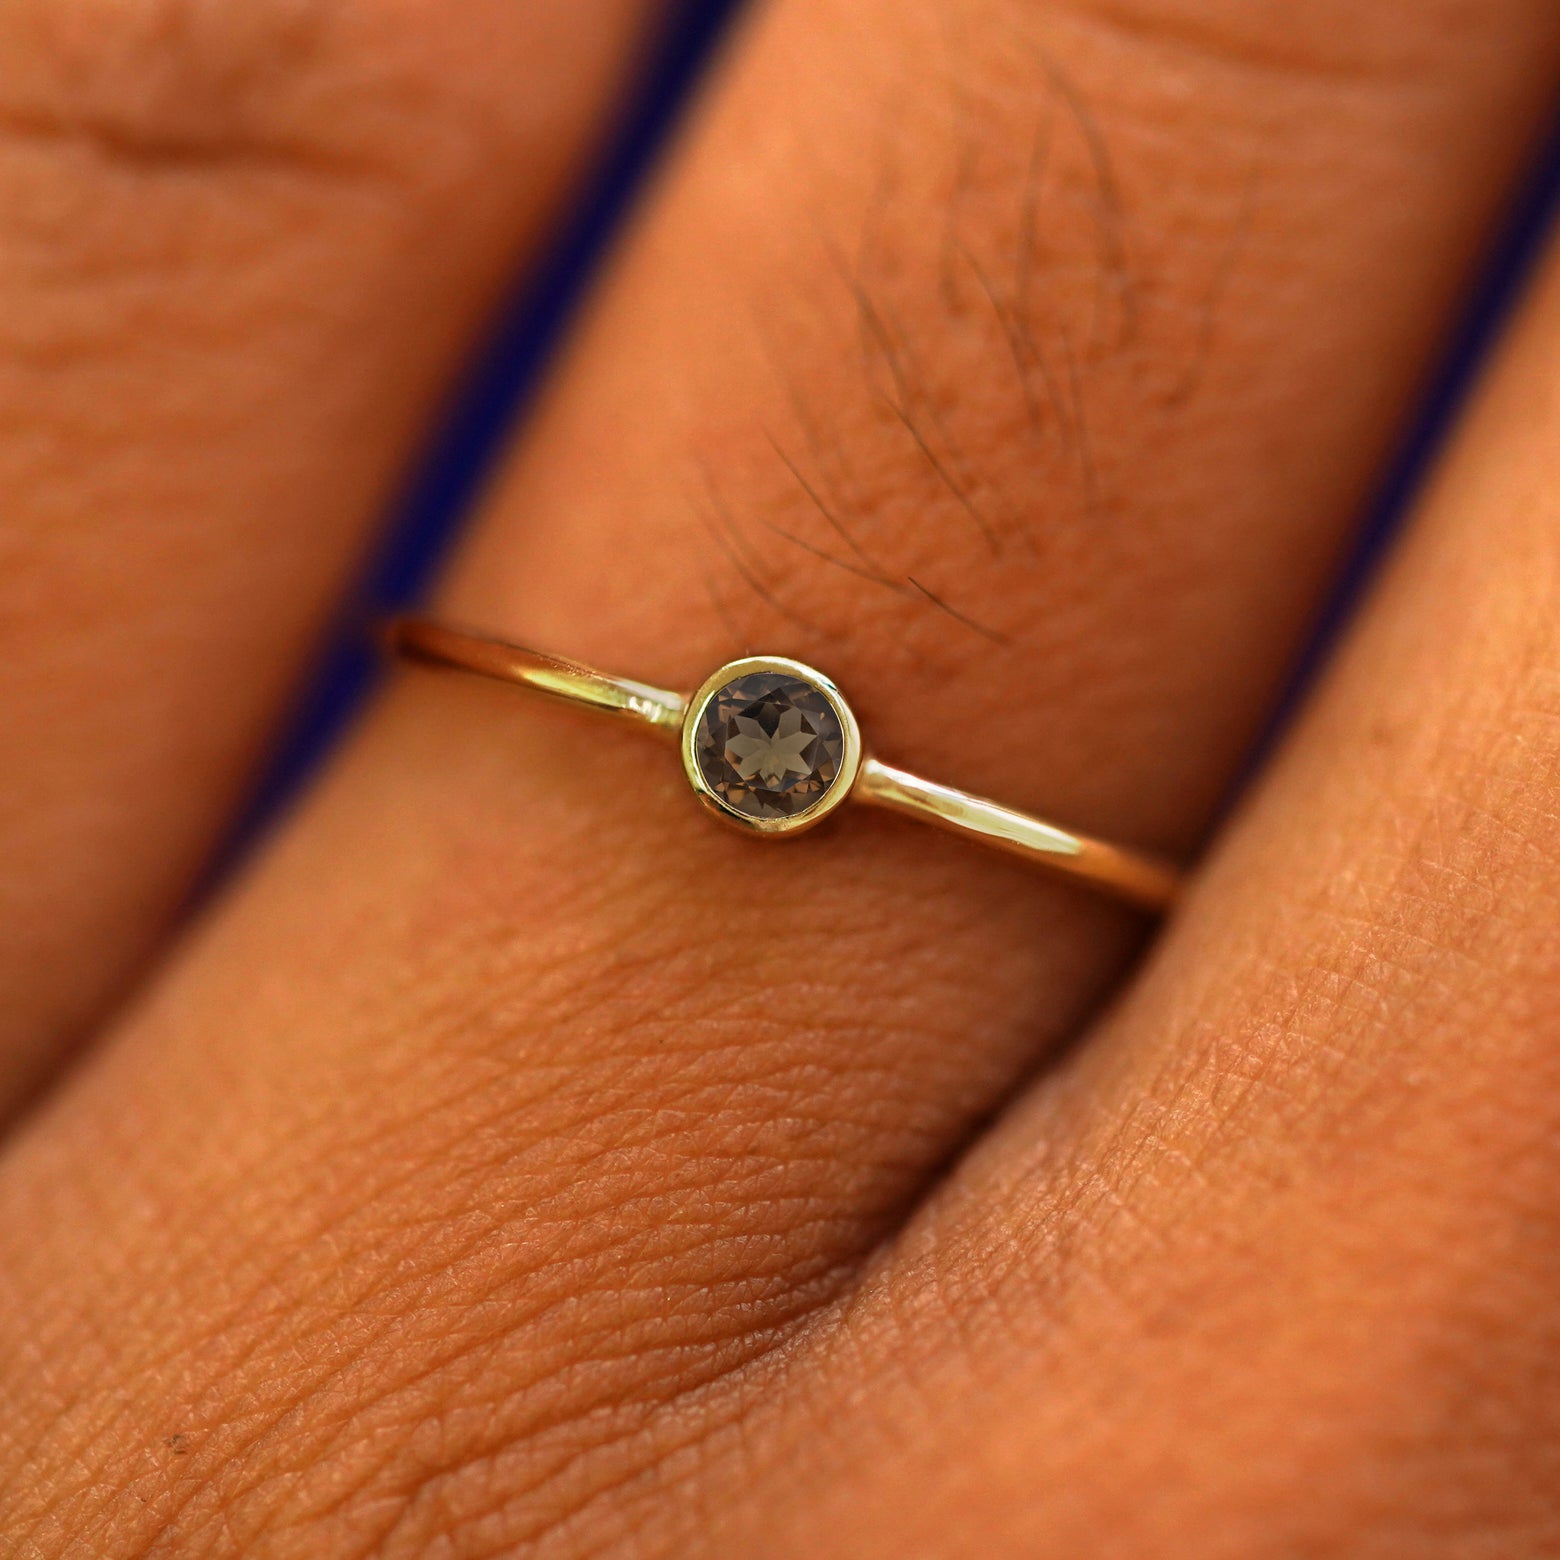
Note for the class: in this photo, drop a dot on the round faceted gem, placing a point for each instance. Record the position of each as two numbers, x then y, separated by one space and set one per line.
769 745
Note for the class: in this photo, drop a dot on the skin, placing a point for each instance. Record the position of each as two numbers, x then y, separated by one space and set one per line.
234 288
511 1163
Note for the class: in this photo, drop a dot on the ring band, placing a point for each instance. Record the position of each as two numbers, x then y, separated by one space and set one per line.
770 746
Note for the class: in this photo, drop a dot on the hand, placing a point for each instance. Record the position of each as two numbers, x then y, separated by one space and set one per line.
511 1162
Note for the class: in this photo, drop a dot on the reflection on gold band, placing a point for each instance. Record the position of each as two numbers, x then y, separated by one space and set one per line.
435 645
1143 880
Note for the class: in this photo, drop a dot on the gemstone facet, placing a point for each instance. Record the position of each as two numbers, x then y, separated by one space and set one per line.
769 745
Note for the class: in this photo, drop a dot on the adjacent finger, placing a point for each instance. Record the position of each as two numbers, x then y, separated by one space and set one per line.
539 1108
240 249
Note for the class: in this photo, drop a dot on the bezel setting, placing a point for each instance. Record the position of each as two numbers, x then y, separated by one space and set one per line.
834 796
752 748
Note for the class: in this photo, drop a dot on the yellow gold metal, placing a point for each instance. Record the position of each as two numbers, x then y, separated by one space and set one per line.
1139 878
1143 880
832 798
433 644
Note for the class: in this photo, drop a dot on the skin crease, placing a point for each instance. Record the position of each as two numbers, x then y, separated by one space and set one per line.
506 1169
232 288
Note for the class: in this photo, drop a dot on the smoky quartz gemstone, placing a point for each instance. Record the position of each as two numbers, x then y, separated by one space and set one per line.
769 745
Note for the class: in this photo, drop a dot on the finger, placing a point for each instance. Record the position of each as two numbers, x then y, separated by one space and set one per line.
539 1108
1279 1254
240 249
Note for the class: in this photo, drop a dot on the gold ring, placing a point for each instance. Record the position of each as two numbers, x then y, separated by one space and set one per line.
770 746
